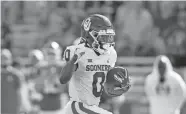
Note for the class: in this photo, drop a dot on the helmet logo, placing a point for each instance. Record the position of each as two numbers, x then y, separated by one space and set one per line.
87 24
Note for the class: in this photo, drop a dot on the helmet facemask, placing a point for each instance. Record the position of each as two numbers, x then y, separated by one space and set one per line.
103 40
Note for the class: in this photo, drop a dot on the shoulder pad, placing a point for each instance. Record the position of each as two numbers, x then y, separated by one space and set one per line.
70 50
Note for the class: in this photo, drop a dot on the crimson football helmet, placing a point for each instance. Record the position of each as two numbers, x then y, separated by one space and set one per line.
117 82
98 32
52 51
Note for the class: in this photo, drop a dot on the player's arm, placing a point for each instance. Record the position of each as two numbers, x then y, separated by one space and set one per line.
69 67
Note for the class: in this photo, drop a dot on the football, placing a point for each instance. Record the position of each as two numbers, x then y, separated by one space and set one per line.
117 82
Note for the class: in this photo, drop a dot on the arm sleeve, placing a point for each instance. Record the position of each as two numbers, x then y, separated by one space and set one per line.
68 55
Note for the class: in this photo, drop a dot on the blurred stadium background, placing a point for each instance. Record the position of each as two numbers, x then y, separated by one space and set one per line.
143 31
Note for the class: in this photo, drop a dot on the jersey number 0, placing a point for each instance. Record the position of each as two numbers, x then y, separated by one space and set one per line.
67 55
98 79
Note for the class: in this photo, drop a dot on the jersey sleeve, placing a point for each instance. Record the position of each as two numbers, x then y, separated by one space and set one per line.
113 58
68 53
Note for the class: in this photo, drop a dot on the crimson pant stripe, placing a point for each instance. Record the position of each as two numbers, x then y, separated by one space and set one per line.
74 108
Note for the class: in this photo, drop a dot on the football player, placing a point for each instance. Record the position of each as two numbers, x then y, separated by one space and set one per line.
165 89
87 65
47 84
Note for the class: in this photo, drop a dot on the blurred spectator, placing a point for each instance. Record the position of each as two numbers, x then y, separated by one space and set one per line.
5 36
35 56
94 8
76 11
175 38
115 5
134 21
107 9
163 13
57 20
44 12
20 13
77 16
69 36
89 4
14 95
124 46
154 9
152 45
165 89
47 83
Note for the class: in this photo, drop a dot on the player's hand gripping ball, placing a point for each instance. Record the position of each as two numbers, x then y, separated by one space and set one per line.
118 81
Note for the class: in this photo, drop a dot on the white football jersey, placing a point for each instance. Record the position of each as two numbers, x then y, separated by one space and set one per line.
87 82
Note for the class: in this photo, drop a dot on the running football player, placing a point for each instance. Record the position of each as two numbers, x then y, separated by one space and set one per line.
87 65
